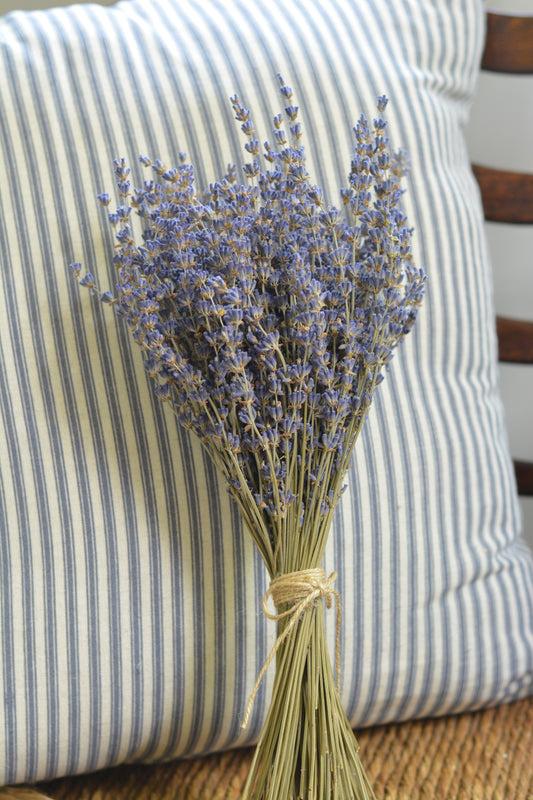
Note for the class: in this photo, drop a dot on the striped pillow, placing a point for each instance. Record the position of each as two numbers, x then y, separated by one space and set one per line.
130 594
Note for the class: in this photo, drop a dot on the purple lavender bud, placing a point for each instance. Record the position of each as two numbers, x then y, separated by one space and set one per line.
88 281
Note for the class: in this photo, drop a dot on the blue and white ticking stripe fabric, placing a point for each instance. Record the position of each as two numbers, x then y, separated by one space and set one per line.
129 591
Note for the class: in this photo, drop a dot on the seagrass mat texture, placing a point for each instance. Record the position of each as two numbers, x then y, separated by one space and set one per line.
477 756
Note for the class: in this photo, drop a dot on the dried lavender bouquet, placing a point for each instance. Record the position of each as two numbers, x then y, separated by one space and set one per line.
266 319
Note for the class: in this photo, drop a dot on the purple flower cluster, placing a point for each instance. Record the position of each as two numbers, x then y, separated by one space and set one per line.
266 317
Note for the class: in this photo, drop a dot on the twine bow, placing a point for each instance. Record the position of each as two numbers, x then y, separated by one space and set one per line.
301 590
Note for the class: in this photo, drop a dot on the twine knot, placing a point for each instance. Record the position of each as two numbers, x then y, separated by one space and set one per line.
301 591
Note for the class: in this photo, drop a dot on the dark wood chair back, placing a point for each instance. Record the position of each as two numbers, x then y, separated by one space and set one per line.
508 196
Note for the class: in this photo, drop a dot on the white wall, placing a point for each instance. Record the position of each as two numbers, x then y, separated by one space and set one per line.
500 134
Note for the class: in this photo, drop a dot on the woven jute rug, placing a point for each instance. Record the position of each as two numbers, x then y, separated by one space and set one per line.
484 755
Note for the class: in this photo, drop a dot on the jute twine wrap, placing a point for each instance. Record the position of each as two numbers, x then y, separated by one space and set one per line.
301 591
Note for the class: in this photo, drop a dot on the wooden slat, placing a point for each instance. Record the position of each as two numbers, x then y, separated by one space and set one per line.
507 196
509 43
515 340
524 477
